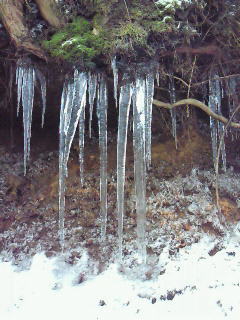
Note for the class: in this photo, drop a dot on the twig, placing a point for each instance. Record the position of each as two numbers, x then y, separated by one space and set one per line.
218 154
202 82
127 10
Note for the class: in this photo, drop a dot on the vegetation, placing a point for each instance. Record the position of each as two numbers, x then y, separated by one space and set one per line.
76 41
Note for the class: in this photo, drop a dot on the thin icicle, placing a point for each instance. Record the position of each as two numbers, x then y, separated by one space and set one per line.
102 124
216 128
173 113
25 76
139 124
149 92
19 82
72 102
232 102
92 88
157 77
81 143
124 107
40 76
115 78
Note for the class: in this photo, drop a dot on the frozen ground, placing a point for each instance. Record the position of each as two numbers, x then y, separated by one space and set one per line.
195 285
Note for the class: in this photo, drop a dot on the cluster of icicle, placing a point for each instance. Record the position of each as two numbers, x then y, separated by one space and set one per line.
217 88
72 115
26 75
134 91
139 93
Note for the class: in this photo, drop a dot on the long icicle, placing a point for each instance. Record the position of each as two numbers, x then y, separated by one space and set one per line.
19 83
81 143
139 143
173 113
72 103
102 124
115 78
149 92
92 89
25 77
124 107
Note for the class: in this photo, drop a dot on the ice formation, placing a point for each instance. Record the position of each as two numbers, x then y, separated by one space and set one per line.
139 146
25 79
149 91
124 107
173 111
217 128
26 74
140 93
92 89
115 78
72 107
138 90
102 102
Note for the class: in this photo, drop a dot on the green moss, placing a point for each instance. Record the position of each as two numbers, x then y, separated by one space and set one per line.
75 42
115 28
131 32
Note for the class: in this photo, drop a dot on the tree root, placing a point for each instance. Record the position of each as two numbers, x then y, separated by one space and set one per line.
50 13
11 12
198 104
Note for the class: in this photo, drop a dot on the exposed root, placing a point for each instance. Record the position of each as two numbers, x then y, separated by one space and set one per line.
11 13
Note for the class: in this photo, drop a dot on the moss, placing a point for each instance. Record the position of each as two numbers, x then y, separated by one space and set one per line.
75 42
130 35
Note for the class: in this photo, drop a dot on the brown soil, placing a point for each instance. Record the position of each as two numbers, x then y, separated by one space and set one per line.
29 205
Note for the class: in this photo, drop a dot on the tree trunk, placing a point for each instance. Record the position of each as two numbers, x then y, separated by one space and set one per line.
11 12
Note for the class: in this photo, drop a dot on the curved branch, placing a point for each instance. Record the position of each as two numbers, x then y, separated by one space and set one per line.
198 104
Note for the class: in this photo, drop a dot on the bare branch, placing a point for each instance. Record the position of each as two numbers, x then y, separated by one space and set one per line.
198 104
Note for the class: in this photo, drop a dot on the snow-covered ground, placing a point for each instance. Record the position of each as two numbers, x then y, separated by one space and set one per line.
195 285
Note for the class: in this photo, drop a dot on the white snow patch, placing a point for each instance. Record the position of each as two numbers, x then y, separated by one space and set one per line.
209 285
172 2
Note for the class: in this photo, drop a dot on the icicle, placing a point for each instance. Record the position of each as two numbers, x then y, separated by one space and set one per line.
216 128
139 124
72 102
115 78
157 78
92 88
232 102
124 107
102 123
149 83
43 86
19 82
231 93
173 113
81 143
25 76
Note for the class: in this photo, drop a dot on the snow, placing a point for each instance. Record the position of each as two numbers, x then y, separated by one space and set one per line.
205 287
170 3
